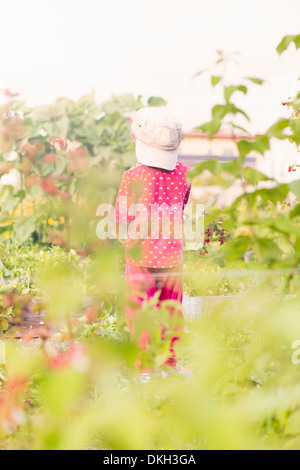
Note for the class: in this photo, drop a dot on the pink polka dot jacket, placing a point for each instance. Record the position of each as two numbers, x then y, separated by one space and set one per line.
149 207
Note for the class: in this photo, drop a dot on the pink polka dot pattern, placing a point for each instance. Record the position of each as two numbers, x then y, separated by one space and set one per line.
152 186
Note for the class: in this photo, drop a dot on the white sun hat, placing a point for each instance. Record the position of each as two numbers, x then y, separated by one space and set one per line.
158 135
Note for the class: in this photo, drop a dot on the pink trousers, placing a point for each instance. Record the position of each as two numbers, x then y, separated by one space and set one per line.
143 284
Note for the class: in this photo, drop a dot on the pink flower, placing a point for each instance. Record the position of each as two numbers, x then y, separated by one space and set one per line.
75 357
59 143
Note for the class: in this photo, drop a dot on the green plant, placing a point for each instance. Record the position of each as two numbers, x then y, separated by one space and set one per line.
79 388
70 157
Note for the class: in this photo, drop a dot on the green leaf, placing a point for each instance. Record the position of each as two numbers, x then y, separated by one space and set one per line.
282 225
296 102
257 81
156 101
276 130
199 73
274 195
268 249
219 111
211 165
237 250
9 199
286 41
23 228
234 126
232 109
232 167
229 90
260 145
35 191
221 56
211 127
295 125
295 187
215 79
244 147
215 167
253 176
9 202
295 212
6 228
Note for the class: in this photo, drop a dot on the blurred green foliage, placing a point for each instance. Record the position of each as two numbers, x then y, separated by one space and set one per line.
74 384
69 158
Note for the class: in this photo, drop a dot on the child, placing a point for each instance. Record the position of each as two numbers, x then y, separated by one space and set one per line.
150 204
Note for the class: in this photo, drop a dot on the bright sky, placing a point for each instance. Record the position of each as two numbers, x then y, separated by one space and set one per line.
51 48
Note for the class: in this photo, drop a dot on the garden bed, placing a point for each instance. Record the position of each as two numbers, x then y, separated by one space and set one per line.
197 306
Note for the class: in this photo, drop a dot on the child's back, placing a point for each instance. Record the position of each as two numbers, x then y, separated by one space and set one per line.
155 231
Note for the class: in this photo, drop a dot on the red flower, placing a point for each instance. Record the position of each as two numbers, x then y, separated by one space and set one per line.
75 358
16 384
50 158
48 185
82 253
32 149
91 314
59 143
144 339
31 180
81 152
